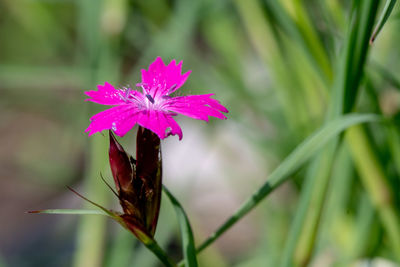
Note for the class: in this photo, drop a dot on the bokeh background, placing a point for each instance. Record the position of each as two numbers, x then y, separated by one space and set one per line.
271 63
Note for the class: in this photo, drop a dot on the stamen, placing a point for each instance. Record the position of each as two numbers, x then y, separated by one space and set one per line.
171 89
143 86
150 98
125 94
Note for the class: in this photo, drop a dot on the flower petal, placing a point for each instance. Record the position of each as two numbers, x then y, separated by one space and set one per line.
196 106
106 95
120 119
159 122
162 80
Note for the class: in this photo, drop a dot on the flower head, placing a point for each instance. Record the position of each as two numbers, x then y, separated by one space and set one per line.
154 107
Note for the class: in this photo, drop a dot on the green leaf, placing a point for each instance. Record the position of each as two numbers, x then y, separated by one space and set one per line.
290 164
387 10
71 211
188 247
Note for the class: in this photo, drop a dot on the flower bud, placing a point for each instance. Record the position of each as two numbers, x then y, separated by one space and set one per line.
138 183
120 164
128 186
149 171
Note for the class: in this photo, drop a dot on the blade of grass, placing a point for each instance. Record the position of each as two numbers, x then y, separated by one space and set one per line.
339 195
387 10
375 182
367 15
296 159
304 35
71 211
307 219
188 247
391 131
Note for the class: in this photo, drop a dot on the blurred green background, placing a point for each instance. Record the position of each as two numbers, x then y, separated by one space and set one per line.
273 64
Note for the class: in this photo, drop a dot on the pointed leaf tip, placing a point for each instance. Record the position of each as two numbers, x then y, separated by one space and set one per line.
33 211
69 212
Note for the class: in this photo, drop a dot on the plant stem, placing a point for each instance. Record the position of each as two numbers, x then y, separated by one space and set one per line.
152 245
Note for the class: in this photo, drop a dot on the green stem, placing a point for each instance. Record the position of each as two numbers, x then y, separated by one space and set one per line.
315 199
152 245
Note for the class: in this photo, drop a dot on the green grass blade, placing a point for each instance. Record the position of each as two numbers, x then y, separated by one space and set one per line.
345 90
358 54
188 246
71 211
304 35
374 179
387 10
298 157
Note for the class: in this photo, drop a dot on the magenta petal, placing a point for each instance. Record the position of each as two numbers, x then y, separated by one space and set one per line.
213 103
175 129
176 80
120 119
160 79
106 95
159 122
197 106
157 66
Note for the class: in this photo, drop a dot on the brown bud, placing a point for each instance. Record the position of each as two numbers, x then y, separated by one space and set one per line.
120 164
149 171
139 185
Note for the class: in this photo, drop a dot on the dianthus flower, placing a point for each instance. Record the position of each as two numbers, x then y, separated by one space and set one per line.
154 107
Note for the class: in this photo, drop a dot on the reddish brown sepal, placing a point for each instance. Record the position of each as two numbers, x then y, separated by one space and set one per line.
121 167
139 185
136 227
149 171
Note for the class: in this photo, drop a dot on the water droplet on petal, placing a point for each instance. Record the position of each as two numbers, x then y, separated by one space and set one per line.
114 127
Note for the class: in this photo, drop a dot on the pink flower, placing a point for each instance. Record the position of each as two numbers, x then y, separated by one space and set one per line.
154 108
